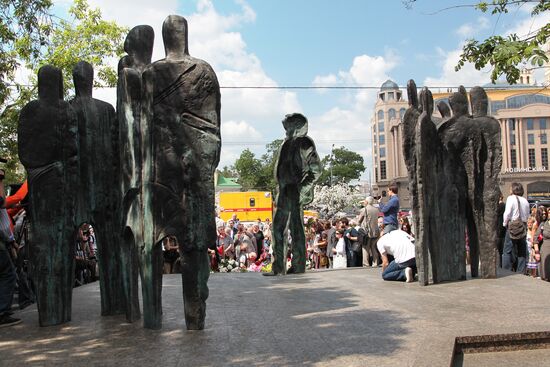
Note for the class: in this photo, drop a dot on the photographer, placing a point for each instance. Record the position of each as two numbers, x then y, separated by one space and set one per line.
7 270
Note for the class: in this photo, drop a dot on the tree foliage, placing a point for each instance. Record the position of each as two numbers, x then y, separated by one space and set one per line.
346 166
256 173
505 54
34 40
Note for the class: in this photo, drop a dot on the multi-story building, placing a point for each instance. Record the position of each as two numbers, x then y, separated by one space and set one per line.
523 112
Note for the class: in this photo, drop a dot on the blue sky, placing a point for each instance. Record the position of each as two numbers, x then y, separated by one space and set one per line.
318 42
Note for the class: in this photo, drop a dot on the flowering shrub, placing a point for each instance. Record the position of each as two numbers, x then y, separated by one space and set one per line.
329 200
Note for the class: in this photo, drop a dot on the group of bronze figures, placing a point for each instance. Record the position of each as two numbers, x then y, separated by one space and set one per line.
453 162
145 171
137 174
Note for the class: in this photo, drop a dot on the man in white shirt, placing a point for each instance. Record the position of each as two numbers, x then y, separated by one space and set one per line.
400 245
515 251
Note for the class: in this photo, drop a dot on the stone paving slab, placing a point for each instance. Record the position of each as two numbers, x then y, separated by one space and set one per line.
322 318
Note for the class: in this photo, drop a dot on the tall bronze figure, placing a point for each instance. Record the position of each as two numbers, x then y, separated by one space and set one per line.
98 195
47 143
181 142
297 168
453 164
139 48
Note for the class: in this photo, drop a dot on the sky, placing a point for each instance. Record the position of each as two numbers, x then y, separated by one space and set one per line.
318 43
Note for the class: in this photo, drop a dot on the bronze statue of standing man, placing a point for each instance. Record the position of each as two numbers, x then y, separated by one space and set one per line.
297 168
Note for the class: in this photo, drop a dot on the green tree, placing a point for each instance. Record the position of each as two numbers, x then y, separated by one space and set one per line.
267 176
85 36
504 54
248 169
346 166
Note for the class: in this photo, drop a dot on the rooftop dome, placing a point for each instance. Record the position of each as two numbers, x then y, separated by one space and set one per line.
389 85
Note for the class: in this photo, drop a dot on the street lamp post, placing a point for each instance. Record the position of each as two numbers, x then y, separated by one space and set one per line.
331 161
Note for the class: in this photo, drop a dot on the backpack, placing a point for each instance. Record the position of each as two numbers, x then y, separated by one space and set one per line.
517 227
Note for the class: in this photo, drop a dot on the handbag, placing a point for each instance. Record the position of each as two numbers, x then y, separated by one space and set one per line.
517 227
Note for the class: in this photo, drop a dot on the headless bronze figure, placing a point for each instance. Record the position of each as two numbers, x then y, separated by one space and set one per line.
47 143
181 144
98 197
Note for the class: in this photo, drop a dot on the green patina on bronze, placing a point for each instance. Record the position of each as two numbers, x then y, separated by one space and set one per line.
48 148
98 190
297 168
453 164
171 147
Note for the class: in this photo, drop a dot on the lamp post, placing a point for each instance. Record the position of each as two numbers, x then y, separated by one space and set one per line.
331 161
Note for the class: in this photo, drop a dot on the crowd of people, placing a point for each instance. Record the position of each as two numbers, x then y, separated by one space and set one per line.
333 243
380 236
525 252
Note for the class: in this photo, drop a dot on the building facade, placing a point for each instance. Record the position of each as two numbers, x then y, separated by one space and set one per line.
523 112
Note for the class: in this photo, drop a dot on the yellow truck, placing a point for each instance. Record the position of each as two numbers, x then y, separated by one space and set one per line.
249 206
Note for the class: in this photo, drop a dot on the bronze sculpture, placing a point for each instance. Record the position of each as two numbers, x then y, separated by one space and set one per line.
297 168
453 164
47 144
98 178
181 121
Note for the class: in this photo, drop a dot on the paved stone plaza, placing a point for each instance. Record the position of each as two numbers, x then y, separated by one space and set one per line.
323 318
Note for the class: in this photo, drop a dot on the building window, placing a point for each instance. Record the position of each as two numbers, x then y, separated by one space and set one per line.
381 127
530 139
382 139
402 113
513 159
375 174
391 113
390 96
512 139
543 139
380 115
532 162
530 124
382 152
542 124
511 124
544 157
382 170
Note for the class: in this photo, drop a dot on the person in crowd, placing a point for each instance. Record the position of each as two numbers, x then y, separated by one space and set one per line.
85 263
541 249
7 270
501 230
532 263
400 245
406 226
330 232
171 254
369 220
320 247
225 242
339 251
350 237
390 209
259 237
234 229
244 245
514 251
219 221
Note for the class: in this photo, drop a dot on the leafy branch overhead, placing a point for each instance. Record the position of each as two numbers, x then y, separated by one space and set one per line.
30 37
505 53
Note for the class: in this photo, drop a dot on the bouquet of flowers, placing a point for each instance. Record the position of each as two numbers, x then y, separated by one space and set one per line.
229 266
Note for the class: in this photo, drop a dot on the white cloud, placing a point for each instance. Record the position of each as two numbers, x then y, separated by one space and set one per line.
448 77
215 38
468 75
469 30
349 125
